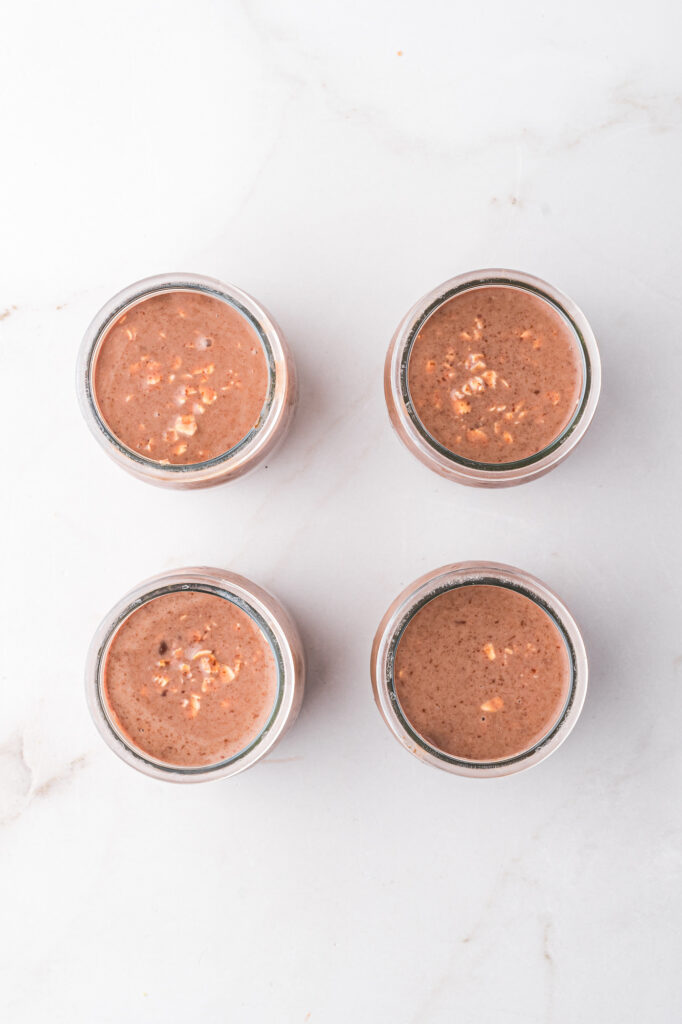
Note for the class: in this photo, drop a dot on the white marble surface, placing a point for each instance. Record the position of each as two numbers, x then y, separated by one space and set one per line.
337 160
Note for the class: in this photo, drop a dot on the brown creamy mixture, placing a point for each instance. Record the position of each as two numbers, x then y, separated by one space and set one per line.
495 374
482 672
181 377
190 678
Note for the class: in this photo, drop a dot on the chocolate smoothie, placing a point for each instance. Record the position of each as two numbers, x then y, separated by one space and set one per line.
190 679
482 672
495 374
181 377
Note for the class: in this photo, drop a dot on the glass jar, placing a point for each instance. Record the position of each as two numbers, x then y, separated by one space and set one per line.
401 613
426 447
259 442
275 625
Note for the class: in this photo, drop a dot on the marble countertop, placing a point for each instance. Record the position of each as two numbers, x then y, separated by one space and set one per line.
337 161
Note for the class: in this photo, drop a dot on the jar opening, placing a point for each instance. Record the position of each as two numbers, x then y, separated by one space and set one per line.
201 662
411 609
458 397
113 318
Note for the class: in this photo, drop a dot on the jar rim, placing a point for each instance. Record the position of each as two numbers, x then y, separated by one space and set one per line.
250 448
431 586
437 455
273 622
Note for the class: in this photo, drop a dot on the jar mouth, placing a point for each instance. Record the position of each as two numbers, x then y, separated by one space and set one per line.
108 716
534 287
146 290
433 585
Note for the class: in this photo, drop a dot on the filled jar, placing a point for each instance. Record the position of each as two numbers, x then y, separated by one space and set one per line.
195 675
479 669
185 381
492 378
